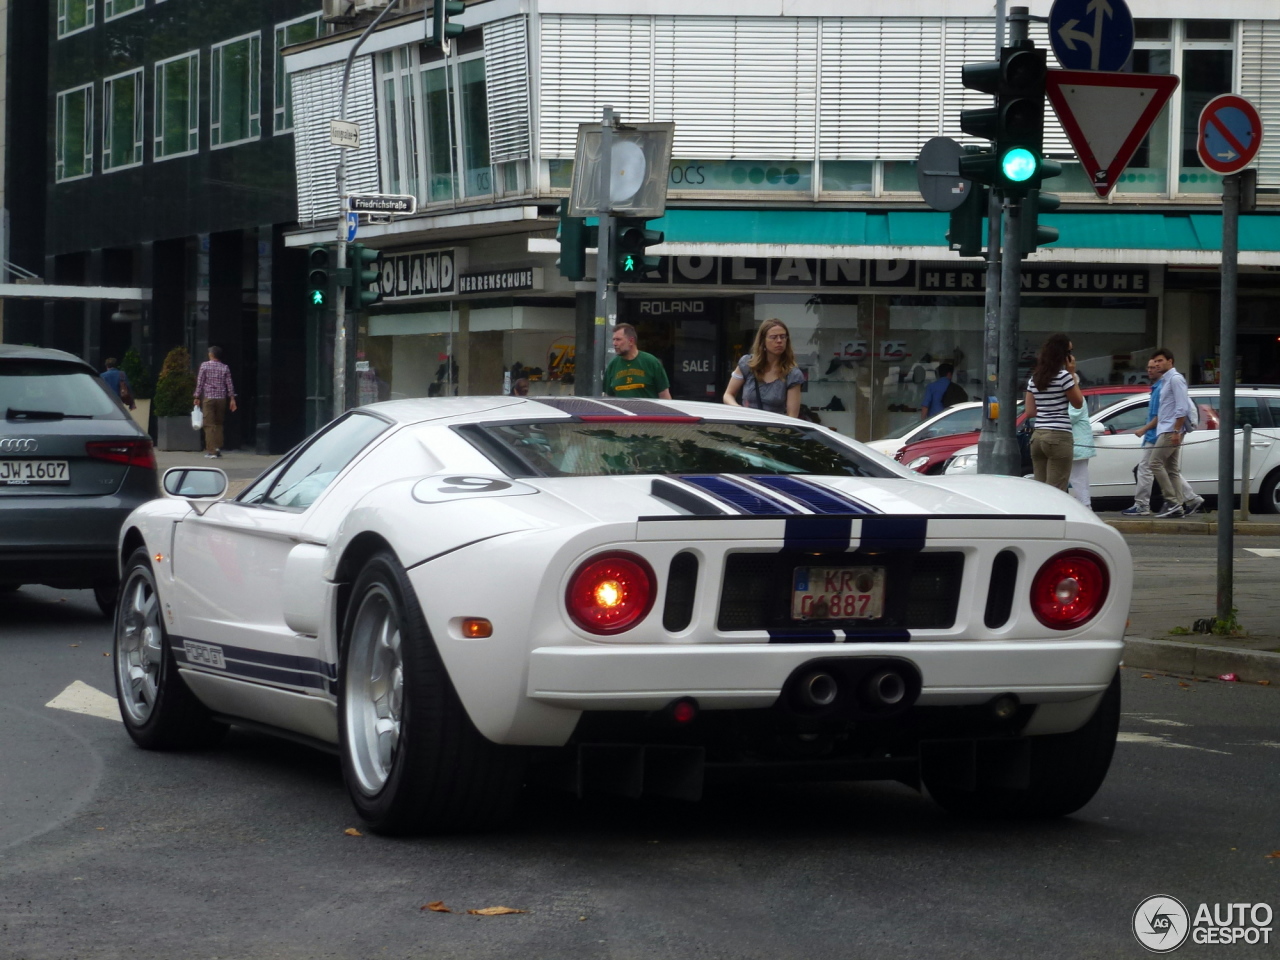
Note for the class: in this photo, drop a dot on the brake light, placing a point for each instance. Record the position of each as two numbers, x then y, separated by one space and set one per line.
1069 589
132 453
611 593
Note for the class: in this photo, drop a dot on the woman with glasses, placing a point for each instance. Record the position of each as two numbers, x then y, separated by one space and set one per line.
767 378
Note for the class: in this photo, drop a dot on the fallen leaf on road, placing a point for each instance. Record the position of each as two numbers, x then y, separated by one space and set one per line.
352 832
1274 855
1148 676
74 644
494 911
1181 684
1264 683
106 654
436 905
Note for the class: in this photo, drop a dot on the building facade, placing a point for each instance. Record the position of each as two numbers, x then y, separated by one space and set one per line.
792 194
156 152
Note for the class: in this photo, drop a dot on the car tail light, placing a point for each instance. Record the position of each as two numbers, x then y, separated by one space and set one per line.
1069 589
611 593
132 453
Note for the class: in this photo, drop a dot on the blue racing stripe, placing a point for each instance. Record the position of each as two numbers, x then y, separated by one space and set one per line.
817 498
826 534
261 665
900 533
804 636
744 498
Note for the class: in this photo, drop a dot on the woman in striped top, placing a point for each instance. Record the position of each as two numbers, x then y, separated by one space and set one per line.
1051 388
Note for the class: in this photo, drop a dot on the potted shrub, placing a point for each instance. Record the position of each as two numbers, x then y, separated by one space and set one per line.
172 403
140 384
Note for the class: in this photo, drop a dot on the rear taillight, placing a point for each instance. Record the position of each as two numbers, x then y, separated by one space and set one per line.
611 593
132 453
1069 589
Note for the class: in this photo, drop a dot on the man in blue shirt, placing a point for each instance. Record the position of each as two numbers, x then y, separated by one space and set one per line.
934 401
1156 366
114 377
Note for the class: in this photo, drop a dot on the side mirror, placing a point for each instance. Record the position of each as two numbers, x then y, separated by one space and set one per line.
194 483
1099 429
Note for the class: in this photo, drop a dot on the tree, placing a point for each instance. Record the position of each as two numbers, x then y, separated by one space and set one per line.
176 386
139 377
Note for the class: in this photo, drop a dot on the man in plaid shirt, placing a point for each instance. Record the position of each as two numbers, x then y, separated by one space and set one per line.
214 391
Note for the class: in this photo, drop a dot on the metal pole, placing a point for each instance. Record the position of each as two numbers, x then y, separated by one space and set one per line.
1227 396
340 348
1008 459
606 288
1246 469
991 309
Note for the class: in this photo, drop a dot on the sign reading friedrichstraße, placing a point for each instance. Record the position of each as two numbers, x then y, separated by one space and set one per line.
396 203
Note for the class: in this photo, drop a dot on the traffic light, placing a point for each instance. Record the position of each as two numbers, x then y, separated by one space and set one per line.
575 237
967 234
1015 125
366 276
442 30
1034 235
319 275
631 238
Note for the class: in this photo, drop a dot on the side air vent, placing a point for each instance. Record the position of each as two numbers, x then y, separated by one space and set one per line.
1004 578
682 587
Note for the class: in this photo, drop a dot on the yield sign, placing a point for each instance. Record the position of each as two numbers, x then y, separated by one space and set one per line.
1230 134
1106 115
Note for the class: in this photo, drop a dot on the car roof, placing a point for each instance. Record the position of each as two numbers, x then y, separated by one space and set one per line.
16 351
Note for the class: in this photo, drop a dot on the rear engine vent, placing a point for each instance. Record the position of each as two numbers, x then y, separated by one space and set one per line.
682 587
1004 577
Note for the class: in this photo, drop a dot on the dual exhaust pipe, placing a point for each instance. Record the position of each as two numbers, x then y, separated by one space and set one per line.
867 688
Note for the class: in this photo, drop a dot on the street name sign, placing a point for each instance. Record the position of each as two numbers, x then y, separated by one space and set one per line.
938 174
383 203
344 133
1106 116
1230 134
1091 34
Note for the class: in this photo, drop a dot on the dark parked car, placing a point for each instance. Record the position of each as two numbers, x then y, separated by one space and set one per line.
73 465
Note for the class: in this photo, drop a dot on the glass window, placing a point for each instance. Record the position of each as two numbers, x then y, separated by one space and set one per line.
560 449
73 134
49 390
177 108
1248 410
847 176
435 96
1148 171
122 120
1206 73
409 111
391 123
295 31
234 95
1128 419
475 128
75 15
118 8
1152 30
1209 29
322 460
962 421
900 176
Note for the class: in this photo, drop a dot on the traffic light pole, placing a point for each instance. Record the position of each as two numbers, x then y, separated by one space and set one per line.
606 285
991 308
1005 454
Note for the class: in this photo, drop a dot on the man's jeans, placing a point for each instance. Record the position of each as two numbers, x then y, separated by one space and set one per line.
1142 495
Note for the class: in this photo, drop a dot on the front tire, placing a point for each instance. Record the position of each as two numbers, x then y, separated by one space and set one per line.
158 710
1066 771
1269 493
412 759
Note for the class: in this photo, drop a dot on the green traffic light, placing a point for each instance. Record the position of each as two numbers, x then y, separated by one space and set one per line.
317 298
1018 165
628 263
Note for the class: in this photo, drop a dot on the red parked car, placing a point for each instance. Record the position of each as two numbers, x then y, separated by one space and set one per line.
930 456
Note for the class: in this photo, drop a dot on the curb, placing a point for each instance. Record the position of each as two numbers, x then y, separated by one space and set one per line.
1244 528
1200 660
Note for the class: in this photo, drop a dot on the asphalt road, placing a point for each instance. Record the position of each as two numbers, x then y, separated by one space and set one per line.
107 851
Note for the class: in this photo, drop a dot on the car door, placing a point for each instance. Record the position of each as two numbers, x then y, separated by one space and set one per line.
244 564
1118 448
1200 447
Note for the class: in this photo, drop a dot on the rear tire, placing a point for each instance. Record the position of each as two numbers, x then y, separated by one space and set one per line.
158 710
412 759
1066 771
1269 493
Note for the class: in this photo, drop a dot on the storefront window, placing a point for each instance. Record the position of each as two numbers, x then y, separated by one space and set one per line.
772 176
475 128
847 176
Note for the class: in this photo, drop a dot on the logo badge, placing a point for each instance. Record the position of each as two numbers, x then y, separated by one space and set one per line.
1161 923
18 445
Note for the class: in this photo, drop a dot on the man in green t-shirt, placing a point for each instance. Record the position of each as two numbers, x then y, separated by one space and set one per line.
634 373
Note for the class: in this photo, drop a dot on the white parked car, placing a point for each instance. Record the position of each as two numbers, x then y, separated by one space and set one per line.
1111 472
629 595
960 418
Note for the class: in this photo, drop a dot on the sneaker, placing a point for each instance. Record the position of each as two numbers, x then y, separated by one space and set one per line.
218 455
1136 511
1193 506
210 456
1171 512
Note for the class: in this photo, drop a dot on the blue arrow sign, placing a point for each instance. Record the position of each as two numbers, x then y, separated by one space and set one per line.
353 224
1091 34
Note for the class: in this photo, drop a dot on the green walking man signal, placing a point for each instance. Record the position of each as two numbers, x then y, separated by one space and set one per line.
319 274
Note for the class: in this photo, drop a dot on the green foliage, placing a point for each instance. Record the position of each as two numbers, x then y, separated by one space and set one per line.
1180 632
176 386
138 375
1229 627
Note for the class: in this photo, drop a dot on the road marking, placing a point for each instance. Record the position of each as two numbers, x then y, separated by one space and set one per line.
1165 723
1158 741
82 698
1265 551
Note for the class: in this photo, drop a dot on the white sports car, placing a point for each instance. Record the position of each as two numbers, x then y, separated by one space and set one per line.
463 595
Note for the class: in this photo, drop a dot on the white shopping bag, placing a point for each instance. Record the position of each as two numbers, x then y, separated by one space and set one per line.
197 418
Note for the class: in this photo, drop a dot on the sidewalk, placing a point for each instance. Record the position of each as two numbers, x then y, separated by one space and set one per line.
1258 524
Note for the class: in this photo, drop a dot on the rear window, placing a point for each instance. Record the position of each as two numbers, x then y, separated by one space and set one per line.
574 449
49 390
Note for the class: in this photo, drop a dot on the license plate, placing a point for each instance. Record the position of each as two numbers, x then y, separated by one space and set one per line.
837 593
23 472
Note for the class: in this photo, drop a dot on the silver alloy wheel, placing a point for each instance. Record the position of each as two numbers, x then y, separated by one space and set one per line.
373 696
139 645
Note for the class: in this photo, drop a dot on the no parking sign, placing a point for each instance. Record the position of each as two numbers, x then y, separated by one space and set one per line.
1230 134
